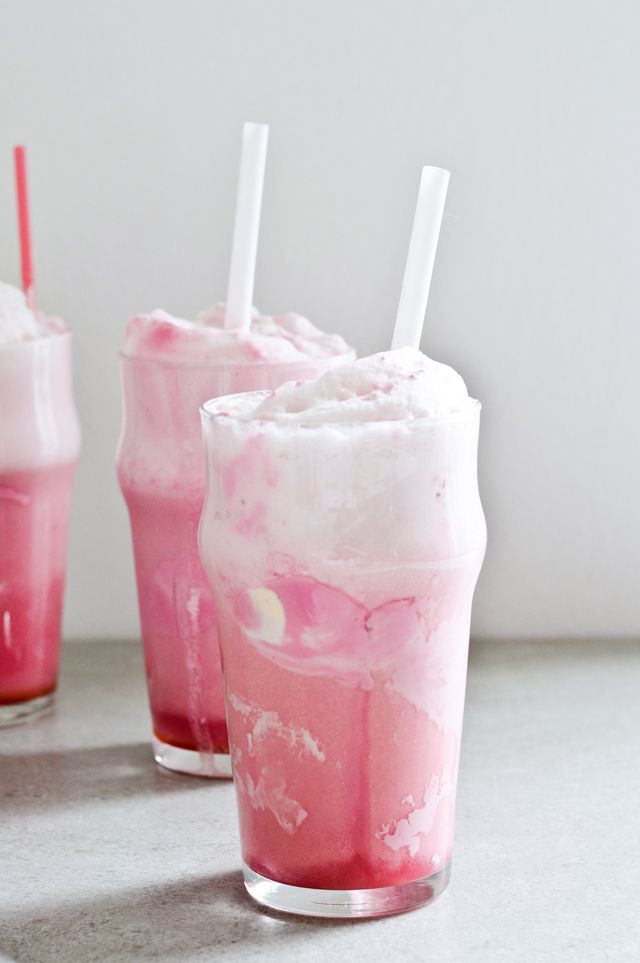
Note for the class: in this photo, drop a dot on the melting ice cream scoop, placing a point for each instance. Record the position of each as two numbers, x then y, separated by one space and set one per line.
18 322
388 386
283 338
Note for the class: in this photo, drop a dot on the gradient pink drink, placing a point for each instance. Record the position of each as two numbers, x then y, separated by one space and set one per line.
169 368
343 536
39 441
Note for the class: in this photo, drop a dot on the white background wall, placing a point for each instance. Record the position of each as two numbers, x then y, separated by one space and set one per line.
132 110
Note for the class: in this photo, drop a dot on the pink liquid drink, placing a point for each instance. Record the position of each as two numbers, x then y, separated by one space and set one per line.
342 536
169 368
39 442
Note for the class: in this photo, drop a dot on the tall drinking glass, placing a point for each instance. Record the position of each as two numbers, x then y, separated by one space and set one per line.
39 443
343 559
161 470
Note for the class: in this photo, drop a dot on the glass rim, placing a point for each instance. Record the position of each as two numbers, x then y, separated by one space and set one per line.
228 365
54 337
473 408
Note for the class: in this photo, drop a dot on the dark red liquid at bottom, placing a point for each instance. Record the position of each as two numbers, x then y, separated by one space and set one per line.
177 730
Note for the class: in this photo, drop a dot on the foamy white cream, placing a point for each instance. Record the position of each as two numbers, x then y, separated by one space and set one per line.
19 323
38 421
390 386
283 338
386 447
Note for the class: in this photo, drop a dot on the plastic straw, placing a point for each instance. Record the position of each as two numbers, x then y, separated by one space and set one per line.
247 226
422 254
24 227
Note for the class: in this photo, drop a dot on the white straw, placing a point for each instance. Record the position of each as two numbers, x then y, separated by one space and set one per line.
422 254
246 227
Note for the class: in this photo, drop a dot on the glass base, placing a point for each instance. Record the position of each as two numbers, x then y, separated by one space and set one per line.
345 903
210 765
17 712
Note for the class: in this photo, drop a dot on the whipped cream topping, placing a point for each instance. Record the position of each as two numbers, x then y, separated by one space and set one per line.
389 386
282 338
389 443
19 323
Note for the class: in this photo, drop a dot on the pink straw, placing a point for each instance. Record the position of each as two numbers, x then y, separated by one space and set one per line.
24 229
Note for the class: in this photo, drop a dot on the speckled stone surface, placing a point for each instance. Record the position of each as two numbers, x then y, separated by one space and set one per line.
105 857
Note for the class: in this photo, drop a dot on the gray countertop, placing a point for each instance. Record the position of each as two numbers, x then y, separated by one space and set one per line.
103 856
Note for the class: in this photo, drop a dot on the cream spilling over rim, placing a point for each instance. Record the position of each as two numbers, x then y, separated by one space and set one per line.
390 386
279 339
19 323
